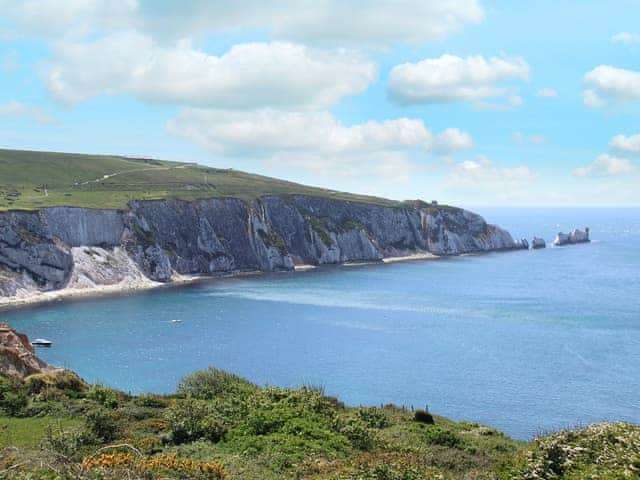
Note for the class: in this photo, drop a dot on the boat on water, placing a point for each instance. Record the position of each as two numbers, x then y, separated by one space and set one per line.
41 342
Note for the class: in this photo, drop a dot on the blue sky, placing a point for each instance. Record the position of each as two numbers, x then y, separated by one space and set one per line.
470 102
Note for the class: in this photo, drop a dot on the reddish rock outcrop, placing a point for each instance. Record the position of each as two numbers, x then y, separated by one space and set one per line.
17 356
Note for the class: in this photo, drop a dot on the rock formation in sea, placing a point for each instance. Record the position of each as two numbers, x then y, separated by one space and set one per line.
577 236
158 241
17 356
537 242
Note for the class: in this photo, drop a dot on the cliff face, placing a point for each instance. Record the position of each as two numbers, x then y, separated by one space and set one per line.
17 356
155 240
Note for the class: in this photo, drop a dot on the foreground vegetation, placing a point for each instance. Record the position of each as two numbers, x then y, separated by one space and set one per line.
217 425
31 180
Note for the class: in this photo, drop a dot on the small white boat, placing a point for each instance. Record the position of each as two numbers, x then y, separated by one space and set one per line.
176 321
41 342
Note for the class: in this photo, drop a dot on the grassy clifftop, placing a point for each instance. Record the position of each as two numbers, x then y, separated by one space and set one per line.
30 180
218 425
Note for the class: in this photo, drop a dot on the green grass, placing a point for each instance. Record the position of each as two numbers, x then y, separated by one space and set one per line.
29 432
270 433
30 180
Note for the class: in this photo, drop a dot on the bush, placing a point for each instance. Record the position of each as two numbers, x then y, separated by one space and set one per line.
213 428
13 403
422 416
67 382
151 401
213 383
374 417
102 424
444 438
64 444
13 396
264 422
357 432
105 396
186 419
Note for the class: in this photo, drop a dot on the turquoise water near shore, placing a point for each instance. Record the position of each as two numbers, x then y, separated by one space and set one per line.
526 341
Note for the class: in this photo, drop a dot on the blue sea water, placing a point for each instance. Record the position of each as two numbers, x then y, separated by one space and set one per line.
525 341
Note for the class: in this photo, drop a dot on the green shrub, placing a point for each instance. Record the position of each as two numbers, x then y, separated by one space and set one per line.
186 419
64 444
374 417
102 424
264 422
422 416
13 396
13 403
64 381
151 401
105 396
213 383
358 433
213 428
445 438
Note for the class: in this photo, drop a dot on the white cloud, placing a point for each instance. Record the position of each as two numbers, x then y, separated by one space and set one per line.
316 141
379 22
247 76
450 79
625 143
606 84
266 131
626 37
17 109
523 139
591 99
606 165
452 140
547 93
481 173
55 18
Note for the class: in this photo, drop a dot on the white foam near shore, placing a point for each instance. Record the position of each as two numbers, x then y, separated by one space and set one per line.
302 268
408 258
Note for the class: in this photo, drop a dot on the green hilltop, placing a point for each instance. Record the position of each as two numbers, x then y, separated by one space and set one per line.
30 180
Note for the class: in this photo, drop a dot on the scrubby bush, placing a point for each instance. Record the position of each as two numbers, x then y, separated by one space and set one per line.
358 433
151 401
13 396
422 416
105 396
65 445
13 403
214 383
62 381
436 435
374 417
264 422
214 428
103 424
186 419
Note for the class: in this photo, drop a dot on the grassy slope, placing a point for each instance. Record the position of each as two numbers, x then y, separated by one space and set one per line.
78 180
218 419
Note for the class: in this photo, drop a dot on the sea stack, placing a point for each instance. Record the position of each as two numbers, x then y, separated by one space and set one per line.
577 236
537 243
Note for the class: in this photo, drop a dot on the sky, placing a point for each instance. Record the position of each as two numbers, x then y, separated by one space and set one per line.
469 102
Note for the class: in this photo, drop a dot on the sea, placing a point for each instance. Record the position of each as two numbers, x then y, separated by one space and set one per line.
525 341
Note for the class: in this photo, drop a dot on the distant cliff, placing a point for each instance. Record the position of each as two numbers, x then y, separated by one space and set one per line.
160 240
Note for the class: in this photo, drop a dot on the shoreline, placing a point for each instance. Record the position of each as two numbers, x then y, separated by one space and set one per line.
70 293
